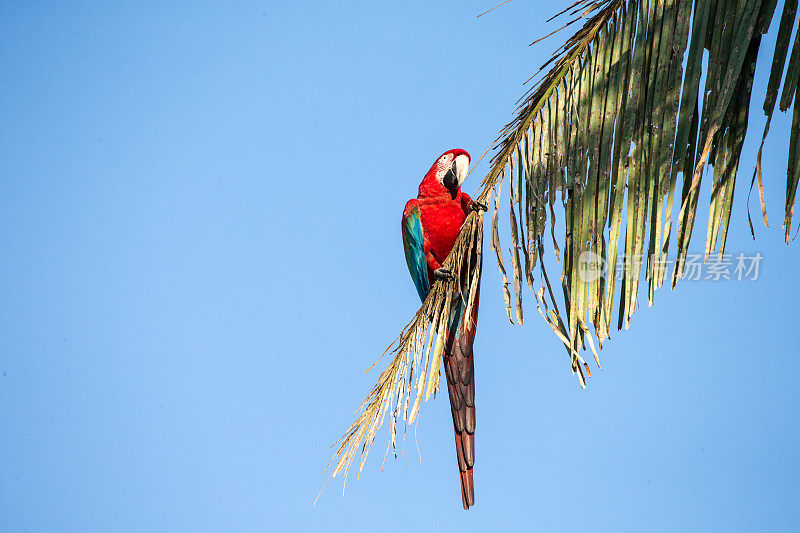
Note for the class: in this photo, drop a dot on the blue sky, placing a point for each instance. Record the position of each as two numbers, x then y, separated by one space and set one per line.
201 254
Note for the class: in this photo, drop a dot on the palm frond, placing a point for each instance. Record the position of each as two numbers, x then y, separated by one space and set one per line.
608 130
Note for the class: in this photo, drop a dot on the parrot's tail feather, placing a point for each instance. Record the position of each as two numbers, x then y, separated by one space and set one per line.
467 485
459 366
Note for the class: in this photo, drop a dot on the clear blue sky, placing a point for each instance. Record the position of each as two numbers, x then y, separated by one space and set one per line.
201 254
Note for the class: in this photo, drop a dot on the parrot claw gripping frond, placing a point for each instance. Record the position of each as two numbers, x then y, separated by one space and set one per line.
477 206
443 273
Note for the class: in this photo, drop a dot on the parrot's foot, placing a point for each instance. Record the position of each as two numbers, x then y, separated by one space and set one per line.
443 273
477 206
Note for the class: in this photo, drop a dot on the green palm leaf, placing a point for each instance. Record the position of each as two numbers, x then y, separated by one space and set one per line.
609 130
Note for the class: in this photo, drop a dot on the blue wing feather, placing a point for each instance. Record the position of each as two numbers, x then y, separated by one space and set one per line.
415 253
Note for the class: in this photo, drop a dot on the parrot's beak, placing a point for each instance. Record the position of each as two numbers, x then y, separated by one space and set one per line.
450 180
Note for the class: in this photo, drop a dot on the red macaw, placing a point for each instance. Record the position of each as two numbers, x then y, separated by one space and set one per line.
431 223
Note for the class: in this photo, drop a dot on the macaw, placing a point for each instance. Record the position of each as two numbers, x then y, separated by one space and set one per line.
431 223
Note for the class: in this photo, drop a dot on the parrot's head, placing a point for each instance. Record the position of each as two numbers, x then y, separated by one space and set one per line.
446 174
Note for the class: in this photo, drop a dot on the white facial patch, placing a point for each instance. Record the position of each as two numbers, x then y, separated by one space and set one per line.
442 166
